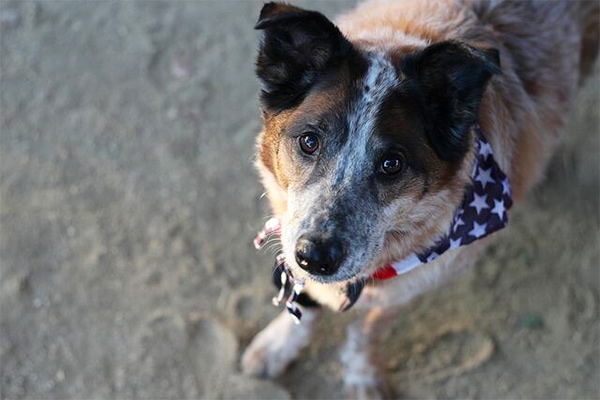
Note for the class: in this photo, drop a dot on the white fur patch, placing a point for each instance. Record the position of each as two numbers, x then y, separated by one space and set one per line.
280 343
361 378
380 80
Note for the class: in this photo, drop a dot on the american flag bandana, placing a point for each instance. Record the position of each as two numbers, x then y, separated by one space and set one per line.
482 212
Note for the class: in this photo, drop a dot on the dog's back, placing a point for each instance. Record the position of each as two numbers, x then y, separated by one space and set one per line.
549 49
555 32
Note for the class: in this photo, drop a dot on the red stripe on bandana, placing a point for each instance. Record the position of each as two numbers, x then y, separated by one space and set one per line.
385 272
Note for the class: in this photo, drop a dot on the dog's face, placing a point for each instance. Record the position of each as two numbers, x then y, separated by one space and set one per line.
369 152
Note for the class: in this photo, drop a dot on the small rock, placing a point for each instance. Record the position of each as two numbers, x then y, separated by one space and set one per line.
37 302
530 321
10 18
181 67
60 375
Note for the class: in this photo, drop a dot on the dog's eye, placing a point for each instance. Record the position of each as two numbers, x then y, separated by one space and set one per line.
309 143
391 164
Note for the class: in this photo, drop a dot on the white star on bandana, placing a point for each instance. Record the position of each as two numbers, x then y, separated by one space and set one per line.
499 208
485 150
480 203
505 187
454 243
484 176
457 224
478 230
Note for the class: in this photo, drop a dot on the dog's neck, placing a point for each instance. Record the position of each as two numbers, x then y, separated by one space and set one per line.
482 212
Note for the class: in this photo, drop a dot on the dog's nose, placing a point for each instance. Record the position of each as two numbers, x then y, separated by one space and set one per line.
319 257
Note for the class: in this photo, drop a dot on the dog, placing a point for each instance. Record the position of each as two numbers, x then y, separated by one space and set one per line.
382 131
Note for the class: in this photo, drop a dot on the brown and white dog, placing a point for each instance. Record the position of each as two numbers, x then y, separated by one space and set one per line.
370 138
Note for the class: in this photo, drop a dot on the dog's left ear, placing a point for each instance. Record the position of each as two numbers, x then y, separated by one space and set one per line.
296 47
452 77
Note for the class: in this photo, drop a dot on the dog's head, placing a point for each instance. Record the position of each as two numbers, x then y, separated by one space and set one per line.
365 154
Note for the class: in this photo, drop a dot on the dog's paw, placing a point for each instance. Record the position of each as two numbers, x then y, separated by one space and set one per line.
356 387
276 346
362 379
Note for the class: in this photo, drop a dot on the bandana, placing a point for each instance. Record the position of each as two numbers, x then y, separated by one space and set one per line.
482 212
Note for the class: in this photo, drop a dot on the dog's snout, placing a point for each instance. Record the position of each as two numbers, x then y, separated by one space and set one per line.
319 257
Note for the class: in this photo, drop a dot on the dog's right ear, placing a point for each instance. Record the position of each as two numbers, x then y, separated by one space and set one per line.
296 47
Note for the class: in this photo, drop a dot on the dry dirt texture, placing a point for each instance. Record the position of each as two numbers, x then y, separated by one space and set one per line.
129 204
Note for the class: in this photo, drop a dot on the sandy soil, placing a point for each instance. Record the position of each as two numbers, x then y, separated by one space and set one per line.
129 204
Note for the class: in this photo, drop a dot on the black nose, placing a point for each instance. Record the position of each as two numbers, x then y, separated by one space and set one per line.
319 257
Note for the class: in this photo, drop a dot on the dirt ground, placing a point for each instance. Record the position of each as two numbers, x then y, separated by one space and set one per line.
129 204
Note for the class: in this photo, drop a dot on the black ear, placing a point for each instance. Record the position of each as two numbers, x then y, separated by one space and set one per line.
296 46
452 77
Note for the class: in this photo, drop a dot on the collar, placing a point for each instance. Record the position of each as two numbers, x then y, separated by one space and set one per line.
482 212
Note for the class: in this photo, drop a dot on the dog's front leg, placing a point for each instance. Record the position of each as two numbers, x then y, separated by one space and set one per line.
280 343
379 304
362 378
